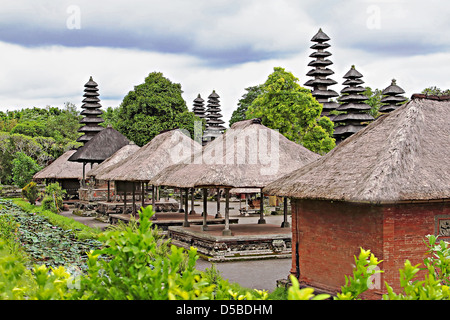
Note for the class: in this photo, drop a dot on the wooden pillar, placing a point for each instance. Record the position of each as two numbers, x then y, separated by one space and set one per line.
142 195
227 231
205 209
125 201
285 223
83 181
261 210
133 192
109 192
181 200
186 222
192 201
218 215
153 202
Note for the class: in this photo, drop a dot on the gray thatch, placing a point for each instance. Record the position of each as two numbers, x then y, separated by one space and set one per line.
402 156
249 155
165 149
61 168
101 146
118 156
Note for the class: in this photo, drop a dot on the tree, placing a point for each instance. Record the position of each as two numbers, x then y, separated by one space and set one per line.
64 124
30 128
152 107
110 115
23 169
435 91
240 113
286 106
373 100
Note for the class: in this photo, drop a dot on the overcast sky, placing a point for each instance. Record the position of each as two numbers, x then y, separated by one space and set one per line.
49 49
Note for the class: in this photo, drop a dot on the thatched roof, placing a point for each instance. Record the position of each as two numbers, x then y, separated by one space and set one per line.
118 156
61 168
402 156
165 149
249 155
101 146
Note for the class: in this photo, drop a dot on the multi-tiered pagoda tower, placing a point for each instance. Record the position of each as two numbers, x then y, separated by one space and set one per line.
199 108
214 123
320 73
352 98
392 97
92 113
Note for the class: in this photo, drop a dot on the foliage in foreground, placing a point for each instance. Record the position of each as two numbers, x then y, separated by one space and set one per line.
434 286
134 262
126 267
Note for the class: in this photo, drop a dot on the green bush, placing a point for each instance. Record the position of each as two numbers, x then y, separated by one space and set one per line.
434 286
31 192
53 200
365 267
52 204
23 169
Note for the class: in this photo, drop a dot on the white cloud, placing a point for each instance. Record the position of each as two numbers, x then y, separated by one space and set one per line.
206 45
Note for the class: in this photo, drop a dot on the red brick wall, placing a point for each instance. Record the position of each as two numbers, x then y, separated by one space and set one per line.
406 234
330 234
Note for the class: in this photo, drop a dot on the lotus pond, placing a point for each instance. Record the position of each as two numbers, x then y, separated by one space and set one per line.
42 241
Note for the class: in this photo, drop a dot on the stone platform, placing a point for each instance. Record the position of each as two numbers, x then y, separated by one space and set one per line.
164 220
248 241
104 207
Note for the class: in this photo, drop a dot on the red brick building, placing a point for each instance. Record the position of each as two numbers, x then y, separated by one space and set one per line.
384 189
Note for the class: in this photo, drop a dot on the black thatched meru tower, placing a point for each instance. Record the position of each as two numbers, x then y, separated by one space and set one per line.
92 113
214 123
392 97
199 108
352 98
320 73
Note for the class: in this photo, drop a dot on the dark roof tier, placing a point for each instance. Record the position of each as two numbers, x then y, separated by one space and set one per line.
353 89
319 82
352 74
354 106
320 72
320 62
320 54
320 36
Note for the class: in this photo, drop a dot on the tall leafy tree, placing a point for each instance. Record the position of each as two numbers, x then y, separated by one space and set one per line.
286 106
152 107
374 100
240 113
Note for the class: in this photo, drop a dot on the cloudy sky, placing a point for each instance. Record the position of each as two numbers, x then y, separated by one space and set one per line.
50 48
